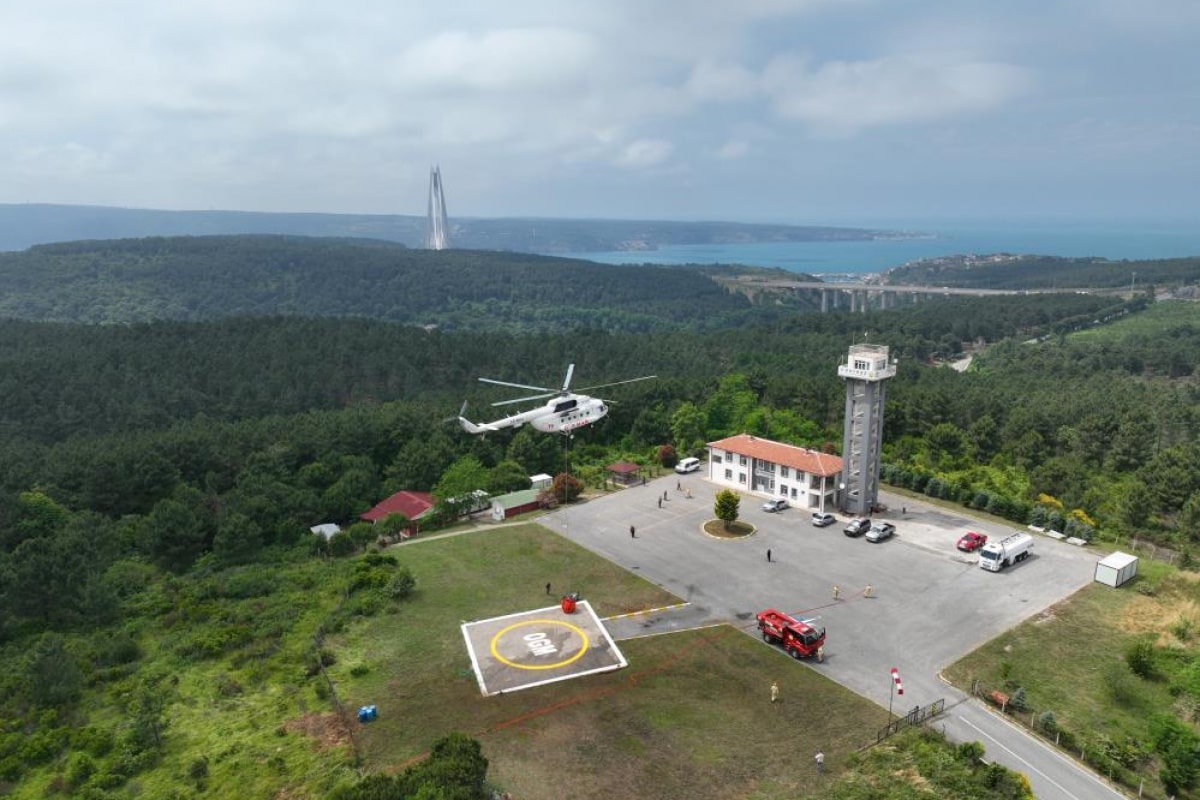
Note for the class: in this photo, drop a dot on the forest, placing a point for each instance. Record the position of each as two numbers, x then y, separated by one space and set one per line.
1046 272
207 424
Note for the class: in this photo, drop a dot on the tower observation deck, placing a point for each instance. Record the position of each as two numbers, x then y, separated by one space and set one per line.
866 370
437 232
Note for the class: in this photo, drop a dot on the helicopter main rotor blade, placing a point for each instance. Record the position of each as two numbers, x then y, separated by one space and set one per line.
520 385
523 399
616 383
567 382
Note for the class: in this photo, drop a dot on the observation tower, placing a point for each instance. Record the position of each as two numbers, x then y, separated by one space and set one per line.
866 370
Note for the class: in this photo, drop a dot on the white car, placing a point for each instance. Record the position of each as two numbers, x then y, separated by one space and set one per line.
687 465
778 504
822 518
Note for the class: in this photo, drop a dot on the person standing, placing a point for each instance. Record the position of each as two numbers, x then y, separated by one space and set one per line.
837 592
775 691
867 591
768 555
632 532
660 502
547 588
819 758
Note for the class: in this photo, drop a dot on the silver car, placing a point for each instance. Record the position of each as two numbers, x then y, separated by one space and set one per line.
880 531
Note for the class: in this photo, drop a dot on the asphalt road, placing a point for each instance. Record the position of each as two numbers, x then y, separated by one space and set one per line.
930 604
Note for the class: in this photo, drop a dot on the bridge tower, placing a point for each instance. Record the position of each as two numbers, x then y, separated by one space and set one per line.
866 370
437 233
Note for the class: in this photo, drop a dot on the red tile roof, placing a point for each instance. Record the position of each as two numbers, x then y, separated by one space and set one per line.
623 467
410 504
788 455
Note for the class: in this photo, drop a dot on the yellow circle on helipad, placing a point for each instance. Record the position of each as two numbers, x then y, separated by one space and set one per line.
540 622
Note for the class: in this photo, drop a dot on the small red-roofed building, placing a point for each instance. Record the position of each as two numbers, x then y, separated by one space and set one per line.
413 505
806 478
625 472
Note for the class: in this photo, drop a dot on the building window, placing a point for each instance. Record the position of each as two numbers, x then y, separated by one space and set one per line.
783 490
728 474
742 478
741 461
783 472
728 457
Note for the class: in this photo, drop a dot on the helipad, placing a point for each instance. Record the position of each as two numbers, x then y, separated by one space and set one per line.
537 647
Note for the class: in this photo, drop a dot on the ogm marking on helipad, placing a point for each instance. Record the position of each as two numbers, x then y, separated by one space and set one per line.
539 646
540 637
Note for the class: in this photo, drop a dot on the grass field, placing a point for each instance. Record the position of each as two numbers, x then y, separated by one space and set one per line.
1071 661
690 717
1151 322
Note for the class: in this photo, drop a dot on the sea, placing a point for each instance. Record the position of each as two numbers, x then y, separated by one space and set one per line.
914 241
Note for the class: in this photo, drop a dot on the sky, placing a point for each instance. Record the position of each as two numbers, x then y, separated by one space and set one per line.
801 112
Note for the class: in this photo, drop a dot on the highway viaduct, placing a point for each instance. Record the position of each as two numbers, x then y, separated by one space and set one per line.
859 297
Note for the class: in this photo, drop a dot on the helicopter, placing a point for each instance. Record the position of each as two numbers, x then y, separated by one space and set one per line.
565 412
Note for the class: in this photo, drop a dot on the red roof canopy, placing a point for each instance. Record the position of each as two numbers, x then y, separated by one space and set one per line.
410 504
623 468
810 461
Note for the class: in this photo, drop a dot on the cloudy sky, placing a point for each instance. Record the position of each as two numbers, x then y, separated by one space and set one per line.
806 111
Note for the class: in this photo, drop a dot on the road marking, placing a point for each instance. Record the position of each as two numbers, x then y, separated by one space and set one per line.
1032 767
647 611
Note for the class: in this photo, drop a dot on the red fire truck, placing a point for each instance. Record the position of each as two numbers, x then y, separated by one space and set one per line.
796 636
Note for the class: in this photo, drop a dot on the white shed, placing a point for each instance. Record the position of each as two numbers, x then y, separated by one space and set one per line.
1116 568
541 481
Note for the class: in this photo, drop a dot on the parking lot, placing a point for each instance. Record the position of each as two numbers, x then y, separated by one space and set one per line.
930 605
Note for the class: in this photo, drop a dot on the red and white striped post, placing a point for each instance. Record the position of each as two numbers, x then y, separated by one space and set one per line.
897 688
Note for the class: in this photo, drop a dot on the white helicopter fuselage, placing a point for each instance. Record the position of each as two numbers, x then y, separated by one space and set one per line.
560 415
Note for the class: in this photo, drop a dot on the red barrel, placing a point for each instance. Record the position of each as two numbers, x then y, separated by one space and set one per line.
568 605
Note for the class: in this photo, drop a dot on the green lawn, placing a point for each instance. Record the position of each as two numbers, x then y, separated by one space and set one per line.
1071 661
1151 322
690 717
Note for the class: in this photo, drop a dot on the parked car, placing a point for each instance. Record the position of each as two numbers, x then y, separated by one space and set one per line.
880 531
822 518
687 465
857 526
778 504
971 541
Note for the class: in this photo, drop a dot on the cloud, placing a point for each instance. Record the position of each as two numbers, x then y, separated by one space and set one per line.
712 81
733 150
848 96
644 153
515 59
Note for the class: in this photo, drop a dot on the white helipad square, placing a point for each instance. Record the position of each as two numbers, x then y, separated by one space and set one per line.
531 648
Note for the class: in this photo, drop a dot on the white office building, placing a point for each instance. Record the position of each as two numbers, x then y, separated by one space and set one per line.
745 463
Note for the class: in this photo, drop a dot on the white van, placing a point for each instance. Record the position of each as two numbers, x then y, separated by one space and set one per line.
687 465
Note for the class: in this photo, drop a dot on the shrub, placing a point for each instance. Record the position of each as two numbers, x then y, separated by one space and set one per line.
970 752
402 585
198 769
80 767
1017 701
1046 722
1140 658
667 456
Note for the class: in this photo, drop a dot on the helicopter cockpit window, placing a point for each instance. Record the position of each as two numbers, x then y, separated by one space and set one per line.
565 405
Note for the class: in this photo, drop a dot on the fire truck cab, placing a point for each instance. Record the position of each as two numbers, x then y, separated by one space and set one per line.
797 637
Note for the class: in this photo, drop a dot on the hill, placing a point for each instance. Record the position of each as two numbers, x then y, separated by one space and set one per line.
194 278
1006 271
24 225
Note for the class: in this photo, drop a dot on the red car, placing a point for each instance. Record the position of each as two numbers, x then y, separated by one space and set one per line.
971 541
